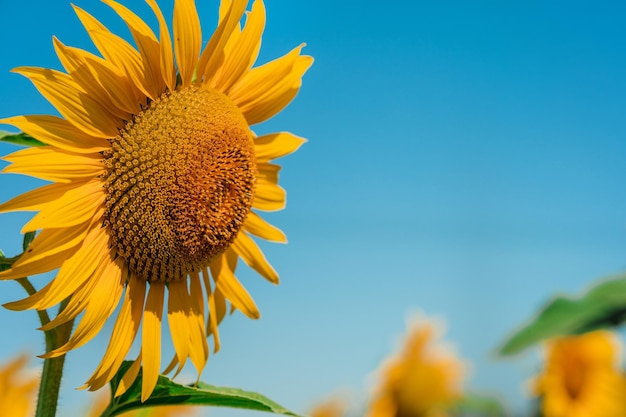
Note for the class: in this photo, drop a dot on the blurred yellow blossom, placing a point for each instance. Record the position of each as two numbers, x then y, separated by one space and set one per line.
422 380
582 377
332 407
18 389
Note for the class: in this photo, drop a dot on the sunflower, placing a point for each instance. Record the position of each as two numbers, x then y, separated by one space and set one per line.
157 179
582 377
17 389
420 381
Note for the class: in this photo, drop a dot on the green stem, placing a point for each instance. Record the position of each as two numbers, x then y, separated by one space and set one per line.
55 338
53 368
43 314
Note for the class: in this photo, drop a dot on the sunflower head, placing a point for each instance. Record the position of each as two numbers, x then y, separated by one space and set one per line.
180 181
582 373
157 181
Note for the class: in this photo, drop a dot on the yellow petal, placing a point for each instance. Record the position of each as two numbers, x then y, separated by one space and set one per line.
99 308
124 332
268 172
257 226
151 338
76 305
148 46
187 38
73 273
77 269
116 50
50 243
129 377
58 132
248 250
73 102
212 322
84 73
52 164
38 198
198 346
76 206
225 6
222 269
220 305
265 90
241 51
268 196
167 59
177 310
276 145
213 54
279 96
38 267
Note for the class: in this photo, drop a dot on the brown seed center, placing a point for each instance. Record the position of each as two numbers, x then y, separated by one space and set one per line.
180 183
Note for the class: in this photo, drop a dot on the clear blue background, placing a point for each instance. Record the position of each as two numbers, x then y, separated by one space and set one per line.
465 159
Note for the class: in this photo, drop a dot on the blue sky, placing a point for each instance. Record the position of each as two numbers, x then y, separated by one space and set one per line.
465 159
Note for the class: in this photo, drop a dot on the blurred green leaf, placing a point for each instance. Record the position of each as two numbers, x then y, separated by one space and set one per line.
604 305
19 139
168 392
475 405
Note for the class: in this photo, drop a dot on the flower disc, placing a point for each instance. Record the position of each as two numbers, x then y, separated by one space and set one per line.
180 183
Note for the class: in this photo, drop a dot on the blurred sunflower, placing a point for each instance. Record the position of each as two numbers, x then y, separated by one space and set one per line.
582 378
17 390
422 380
157 177
332 407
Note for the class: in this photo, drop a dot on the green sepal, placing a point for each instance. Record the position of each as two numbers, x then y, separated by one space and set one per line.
20 139
604 305
28 237
168 392
6 263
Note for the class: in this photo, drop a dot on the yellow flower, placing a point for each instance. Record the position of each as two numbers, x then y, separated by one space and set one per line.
156 181
17 391
582 378
422 380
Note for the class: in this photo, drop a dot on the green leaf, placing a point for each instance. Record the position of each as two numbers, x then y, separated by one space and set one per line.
476 405
168 392
19 139
602 306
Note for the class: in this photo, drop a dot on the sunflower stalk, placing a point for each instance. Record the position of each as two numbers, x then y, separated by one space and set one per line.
44 318
54 338
53 368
